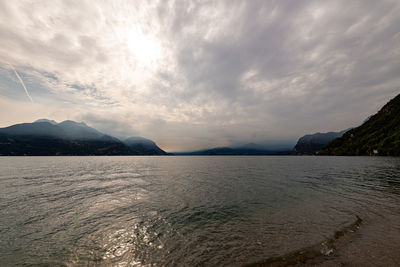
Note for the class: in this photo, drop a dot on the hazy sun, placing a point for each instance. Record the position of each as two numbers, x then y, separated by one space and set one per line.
146 50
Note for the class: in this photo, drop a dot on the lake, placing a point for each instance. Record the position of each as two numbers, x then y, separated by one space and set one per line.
206 210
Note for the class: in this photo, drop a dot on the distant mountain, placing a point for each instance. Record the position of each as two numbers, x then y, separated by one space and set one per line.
274 146
33 129
310 144
250 150
46 137
143 146
67 130
379 135
81 131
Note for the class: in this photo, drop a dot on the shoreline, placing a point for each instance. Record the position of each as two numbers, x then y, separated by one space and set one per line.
301 256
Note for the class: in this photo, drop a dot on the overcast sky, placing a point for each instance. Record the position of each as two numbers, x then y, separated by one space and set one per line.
198 74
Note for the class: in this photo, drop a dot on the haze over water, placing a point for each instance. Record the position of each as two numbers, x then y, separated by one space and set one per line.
79 211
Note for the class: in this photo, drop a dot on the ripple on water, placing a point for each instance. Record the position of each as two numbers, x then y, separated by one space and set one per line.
189 210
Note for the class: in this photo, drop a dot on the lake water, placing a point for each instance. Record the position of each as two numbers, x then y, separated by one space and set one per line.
234 211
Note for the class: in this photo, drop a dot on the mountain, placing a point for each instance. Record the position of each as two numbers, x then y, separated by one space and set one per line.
249 150
26 145
143 146
379 135
81 131
310 144
46 137
67 130
35 129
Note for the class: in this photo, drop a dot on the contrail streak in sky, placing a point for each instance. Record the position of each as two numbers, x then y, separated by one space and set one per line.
22 82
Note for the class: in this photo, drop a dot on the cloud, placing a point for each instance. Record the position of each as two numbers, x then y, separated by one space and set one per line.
207 72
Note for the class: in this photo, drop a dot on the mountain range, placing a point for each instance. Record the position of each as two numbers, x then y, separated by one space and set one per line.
378 135
47 138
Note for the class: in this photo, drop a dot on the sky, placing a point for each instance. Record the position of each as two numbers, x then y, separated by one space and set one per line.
199 74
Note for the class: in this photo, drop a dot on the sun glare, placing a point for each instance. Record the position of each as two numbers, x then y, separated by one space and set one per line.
146 50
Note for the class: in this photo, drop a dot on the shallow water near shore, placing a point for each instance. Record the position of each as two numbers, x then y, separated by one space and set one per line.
234 211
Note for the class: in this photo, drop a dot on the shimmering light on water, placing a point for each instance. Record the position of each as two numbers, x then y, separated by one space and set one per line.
185 210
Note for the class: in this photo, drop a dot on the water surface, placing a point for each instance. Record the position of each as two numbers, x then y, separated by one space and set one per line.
93 211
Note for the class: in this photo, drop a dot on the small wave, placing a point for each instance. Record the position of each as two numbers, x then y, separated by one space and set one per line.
302 255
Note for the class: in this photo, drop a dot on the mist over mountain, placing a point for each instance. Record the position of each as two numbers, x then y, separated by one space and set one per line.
250 149
46 120
276 145
143 145
79 130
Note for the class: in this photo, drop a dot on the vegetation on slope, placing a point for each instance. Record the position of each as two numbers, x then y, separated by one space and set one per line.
380 135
